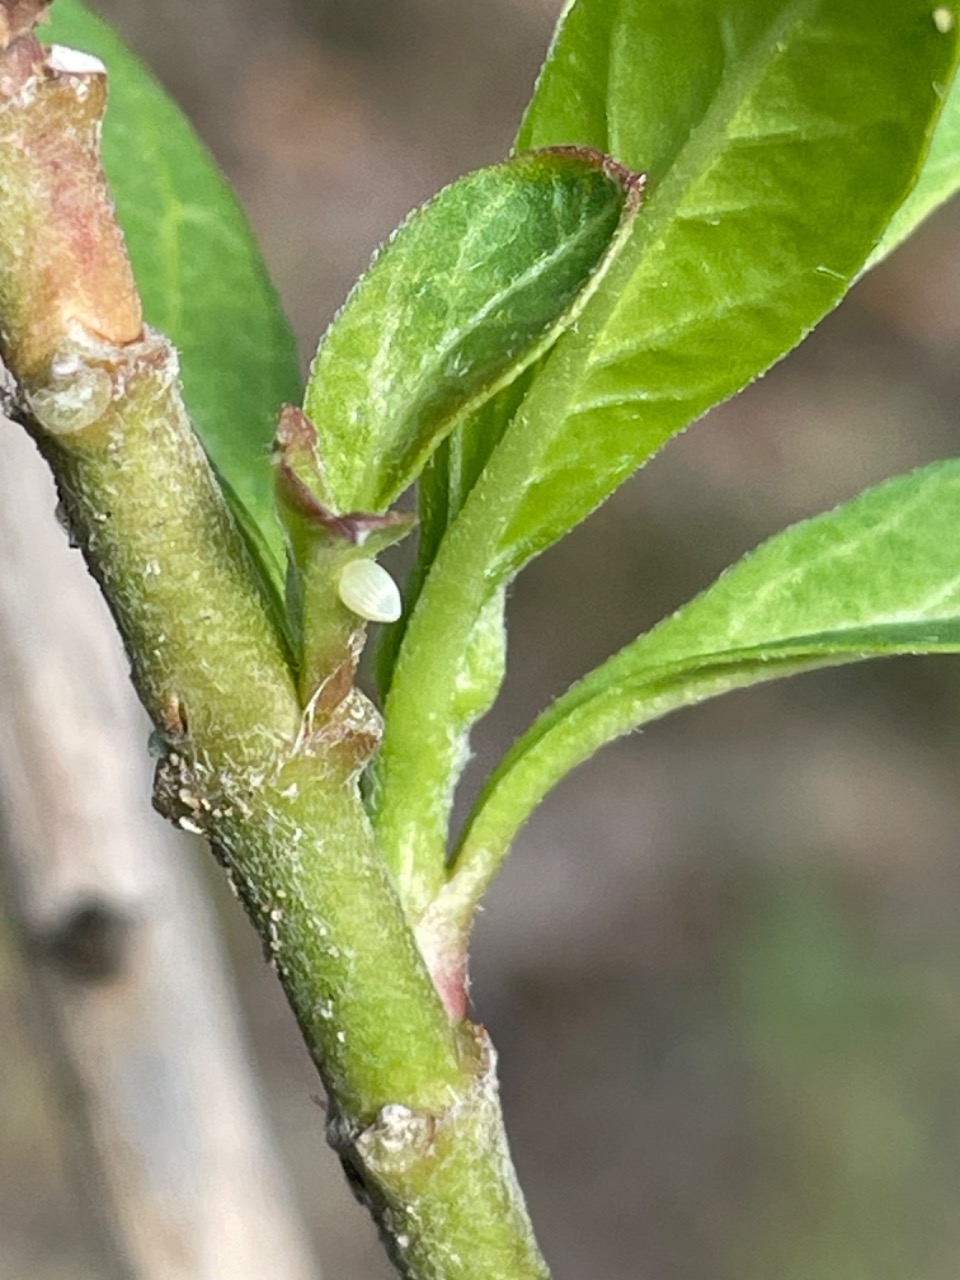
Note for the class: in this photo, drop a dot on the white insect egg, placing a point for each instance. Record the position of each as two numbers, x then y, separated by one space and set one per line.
73 62
367 590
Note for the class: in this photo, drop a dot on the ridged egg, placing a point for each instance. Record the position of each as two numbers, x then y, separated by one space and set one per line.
367 590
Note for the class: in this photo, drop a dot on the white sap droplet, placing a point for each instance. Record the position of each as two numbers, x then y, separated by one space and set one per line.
74 403
367 590
73 62
944 19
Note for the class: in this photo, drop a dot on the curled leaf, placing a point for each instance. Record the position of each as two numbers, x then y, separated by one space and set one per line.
466 294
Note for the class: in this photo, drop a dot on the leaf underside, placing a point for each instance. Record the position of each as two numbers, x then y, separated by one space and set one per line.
938 181
879 575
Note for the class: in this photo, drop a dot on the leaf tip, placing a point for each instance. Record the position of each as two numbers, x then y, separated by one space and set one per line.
302 488
631 182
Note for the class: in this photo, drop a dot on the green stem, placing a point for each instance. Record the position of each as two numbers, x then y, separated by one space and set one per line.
143 505
427 718
414 1112
139 496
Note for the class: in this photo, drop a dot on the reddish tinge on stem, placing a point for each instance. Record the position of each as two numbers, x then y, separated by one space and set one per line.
67 275
19 16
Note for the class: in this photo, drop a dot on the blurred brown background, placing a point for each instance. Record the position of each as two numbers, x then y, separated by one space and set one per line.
723 966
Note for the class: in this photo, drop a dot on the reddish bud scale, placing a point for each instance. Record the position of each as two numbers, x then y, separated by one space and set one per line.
64 270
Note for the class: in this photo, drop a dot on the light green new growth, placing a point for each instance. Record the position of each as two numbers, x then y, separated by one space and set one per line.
756 124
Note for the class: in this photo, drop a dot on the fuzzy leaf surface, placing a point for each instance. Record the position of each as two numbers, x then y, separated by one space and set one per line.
468 291
780 138
200 274
879 575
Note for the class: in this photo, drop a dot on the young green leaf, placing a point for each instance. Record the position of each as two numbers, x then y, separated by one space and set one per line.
879 575
471 289
200 273
779 139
